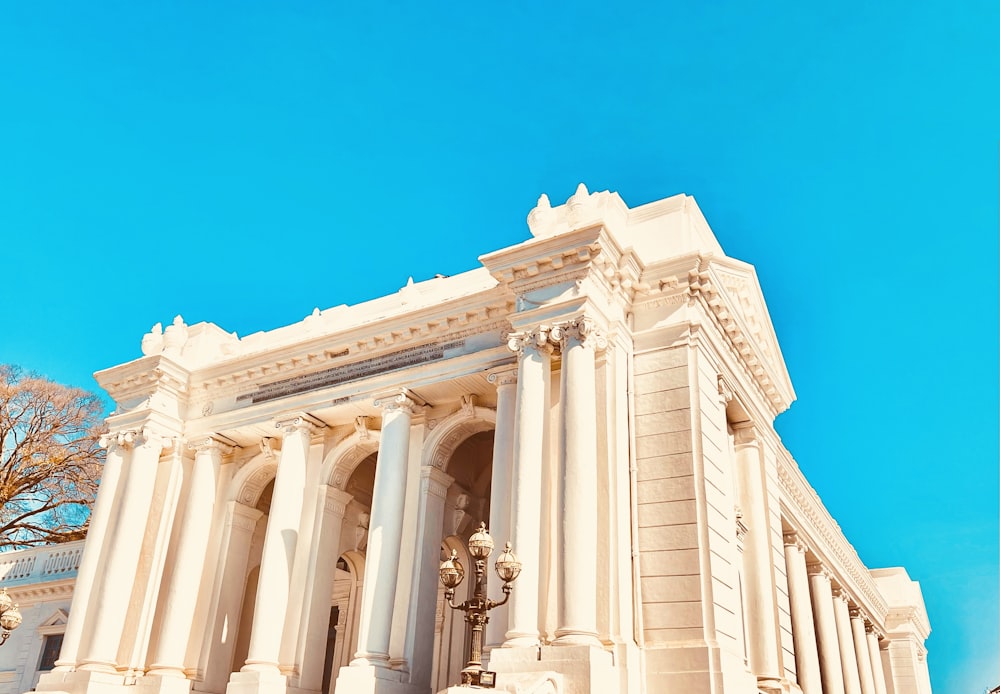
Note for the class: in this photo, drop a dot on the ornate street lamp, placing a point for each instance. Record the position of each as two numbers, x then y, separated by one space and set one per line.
10 617
476 609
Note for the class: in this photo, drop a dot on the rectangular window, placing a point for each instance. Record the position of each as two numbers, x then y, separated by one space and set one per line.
50 651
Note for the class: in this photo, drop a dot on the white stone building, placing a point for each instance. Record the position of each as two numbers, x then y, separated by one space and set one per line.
274 508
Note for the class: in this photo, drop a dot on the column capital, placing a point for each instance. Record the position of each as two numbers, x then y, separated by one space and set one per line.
839 593
538 338
817 569
402 399
794 540
298 421
505 375
745 434
435 481
583 329
336 501
211 443
856 613
123 438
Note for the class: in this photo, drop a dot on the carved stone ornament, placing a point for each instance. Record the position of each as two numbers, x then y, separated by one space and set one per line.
537 339
267 447
210 444
745 436
361 427
119 439
793 540
583 330
300 421
361 532
401 399
504 376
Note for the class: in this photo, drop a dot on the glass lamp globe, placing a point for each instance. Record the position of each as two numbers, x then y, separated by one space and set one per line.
480 544
10 619
451 571
507 566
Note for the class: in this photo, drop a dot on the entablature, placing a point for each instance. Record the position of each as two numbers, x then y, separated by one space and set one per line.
807 514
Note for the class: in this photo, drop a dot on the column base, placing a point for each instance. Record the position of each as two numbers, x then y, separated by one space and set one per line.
265 681
556 669
375 679
164 682
81 682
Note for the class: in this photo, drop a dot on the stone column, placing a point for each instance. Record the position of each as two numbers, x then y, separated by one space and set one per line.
322 563
761 608
121 560
189 559
861 650
875 656
227 594
385 530
577 580
826 630
420 632
280 538
119 446
534 369
505 379
803 628
848 658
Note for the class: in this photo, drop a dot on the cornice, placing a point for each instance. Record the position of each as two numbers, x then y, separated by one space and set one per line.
236 375
144 377
807 513
739 314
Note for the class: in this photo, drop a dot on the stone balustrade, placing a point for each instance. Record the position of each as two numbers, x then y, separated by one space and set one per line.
40 564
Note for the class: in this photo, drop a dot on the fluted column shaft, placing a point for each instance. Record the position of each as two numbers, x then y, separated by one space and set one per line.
119 447
848 658
762 626
434 486
803 627
875 656
280 538
505 380
189 560
826 630
577 618
385 531
330 518
227 593
861 650
534 368
119 566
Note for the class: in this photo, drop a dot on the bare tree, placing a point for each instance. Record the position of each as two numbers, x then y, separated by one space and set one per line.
50 459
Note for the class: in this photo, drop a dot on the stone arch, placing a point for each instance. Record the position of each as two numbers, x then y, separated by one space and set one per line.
250 480
452 431
347 455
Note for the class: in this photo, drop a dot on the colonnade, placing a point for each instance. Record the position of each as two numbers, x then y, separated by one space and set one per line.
837 648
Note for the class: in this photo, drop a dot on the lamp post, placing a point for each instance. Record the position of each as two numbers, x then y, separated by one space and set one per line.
477 608
10 616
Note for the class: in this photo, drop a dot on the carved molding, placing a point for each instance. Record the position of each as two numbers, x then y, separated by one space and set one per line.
503 375
452 431
583 330
299 421
807 513
538 338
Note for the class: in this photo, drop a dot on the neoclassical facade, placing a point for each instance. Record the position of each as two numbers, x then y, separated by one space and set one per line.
275 507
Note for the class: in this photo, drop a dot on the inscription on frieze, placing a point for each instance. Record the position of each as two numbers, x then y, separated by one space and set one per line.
393 361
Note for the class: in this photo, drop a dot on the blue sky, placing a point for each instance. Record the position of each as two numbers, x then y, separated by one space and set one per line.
242 163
